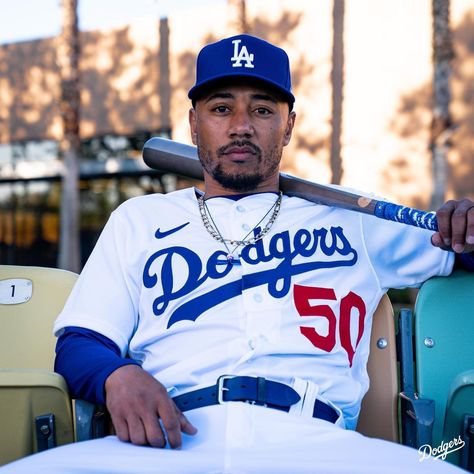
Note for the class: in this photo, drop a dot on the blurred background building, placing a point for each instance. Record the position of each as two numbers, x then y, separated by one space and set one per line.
366 118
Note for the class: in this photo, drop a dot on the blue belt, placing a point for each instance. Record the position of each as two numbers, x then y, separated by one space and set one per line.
255 390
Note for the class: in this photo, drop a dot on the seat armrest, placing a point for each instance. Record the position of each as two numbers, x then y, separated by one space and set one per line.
35 410
91 421
459 418
418 416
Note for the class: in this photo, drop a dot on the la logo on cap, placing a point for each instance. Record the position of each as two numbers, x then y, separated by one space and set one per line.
242 55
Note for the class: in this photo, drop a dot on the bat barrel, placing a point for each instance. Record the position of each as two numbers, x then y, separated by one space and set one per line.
174 157
325 195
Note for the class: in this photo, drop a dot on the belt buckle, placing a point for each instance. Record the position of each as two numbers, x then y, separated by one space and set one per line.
221 388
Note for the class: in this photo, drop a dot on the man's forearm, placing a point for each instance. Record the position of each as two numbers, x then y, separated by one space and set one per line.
85 359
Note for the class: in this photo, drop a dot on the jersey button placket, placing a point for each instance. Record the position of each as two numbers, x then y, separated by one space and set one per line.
257 297
235 217
238 223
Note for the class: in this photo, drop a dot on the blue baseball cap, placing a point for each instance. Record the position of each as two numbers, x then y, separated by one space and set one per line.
243 56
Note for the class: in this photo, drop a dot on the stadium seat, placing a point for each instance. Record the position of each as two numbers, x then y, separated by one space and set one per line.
438 391
379 413
35 409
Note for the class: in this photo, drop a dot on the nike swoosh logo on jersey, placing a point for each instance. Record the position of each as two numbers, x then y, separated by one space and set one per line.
161 235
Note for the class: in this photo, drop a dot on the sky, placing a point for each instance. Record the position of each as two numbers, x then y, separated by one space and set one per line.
22 20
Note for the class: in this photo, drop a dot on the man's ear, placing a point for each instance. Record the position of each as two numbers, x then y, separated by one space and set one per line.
193 125
289 128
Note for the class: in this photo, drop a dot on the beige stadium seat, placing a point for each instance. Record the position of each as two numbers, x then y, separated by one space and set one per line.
379 412
35 409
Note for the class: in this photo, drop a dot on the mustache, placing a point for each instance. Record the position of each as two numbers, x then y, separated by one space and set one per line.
239 143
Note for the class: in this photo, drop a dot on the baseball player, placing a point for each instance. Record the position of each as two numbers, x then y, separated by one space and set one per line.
235 323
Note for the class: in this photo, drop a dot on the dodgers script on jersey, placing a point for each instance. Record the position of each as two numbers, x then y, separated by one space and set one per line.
297 309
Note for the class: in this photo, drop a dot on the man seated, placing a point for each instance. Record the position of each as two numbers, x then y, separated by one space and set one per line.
235 323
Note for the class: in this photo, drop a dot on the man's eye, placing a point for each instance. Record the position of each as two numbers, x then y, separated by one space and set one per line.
221 109
263 111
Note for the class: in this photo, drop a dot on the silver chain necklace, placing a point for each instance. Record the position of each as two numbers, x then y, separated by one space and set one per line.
213 230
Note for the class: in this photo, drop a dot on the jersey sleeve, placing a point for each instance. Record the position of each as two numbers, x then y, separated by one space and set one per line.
402 256
105 296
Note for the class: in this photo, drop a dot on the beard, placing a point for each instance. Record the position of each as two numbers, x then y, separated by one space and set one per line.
240 181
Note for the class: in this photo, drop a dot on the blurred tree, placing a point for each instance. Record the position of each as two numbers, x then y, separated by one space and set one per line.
337 86
441 125
68 62
237 17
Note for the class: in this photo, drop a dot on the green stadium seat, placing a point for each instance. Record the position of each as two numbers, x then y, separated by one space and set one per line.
438 406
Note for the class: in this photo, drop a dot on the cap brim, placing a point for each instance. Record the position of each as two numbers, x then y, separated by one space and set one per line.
197 91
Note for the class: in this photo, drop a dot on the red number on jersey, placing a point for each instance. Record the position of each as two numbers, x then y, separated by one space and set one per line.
350 301
302 295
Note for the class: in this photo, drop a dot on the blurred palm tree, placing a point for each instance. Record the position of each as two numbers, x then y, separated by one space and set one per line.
237 16
337 89
68 62
441 125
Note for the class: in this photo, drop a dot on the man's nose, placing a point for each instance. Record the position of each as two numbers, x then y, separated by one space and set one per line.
241 124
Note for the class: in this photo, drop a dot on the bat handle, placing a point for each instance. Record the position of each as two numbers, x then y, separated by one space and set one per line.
406 215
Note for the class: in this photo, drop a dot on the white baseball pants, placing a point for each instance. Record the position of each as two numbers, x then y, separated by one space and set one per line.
238 438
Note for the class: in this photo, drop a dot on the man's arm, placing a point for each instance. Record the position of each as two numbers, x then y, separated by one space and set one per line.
94 370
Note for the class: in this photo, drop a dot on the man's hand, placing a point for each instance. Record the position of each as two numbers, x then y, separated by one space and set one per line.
456 226
136 401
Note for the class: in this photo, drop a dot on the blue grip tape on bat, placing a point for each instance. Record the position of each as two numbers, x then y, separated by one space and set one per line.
406 215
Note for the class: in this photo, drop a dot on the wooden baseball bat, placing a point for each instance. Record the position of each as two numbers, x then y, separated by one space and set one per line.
178 158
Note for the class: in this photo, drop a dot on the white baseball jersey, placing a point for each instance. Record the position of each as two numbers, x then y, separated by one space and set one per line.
298 307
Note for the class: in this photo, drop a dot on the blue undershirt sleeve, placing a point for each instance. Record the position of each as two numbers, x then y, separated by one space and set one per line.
86 358
465 261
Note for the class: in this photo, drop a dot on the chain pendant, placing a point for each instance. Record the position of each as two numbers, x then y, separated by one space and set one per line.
232 260
229 260
211 227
